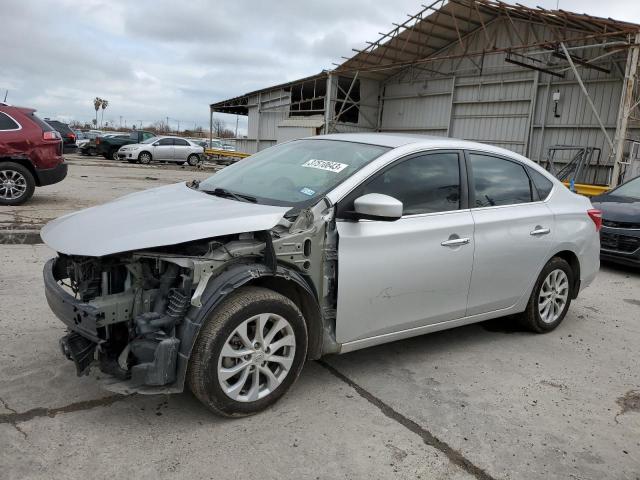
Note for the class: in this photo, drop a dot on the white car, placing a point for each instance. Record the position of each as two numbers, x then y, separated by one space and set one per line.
312 247
162 149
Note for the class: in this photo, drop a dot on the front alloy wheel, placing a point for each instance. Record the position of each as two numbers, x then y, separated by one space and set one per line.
256 357
248 353
145 158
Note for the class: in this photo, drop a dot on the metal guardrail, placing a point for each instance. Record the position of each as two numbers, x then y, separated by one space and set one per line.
225 153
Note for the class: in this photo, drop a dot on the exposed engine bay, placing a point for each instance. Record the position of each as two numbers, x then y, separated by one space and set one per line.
136 314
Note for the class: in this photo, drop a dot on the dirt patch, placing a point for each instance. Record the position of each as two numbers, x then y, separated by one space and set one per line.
629 402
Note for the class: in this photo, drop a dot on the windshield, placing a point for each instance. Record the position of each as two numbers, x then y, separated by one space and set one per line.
294 174
150 140
630 189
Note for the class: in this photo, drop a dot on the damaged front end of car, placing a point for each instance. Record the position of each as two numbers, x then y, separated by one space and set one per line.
137 314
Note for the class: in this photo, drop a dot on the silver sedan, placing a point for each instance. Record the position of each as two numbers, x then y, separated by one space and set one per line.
162 149
313 247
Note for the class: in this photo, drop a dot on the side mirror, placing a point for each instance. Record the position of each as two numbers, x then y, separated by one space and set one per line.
376 206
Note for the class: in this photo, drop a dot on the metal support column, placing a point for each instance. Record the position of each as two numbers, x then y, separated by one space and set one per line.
210 126
624 111
327 103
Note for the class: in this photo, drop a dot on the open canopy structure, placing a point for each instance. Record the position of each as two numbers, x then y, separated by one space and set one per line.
458 39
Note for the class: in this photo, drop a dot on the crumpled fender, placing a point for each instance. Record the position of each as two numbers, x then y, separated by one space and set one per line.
219 288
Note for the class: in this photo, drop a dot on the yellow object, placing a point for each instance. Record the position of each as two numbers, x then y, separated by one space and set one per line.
589 190
225 153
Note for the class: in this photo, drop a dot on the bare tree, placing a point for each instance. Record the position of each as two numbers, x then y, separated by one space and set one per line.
218 127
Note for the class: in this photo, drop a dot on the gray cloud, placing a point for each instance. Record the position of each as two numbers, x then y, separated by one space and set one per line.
154 59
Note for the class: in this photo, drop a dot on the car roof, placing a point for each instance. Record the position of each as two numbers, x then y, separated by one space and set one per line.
395 140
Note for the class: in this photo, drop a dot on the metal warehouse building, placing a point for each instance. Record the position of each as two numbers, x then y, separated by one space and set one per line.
539 82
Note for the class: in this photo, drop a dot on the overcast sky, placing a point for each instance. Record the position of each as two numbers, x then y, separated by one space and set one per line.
153 59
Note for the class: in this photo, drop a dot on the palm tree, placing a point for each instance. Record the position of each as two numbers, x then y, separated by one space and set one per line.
97 102
105 104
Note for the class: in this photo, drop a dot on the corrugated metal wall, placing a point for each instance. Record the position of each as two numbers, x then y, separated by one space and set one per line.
505 105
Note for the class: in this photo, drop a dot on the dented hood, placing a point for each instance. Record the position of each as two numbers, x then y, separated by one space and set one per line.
161 216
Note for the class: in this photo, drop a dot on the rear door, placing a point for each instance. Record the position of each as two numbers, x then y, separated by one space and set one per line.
163 149
514 232
181 150
410 272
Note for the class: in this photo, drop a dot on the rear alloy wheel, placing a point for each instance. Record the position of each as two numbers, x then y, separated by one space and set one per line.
16 184
193 160
550 298
145 158
248 353
114 155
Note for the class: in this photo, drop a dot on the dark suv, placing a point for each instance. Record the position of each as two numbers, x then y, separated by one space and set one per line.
69 144
30 154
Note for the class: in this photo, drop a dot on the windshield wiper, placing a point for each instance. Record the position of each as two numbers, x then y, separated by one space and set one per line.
223 192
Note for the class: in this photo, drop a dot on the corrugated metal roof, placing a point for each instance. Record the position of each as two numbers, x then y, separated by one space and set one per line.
446 22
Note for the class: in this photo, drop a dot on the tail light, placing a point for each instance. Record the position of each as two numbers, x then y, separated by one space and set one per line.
51 135
97 140
596 216
71 136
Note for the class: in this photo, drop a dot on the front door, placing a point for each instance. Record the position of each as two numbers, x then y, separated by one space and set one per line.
513 233
414 271
163 149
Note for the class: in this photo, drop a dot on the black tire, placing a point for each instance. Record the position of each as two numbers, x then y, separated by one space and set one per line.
114 154
14 172
193 159
202 375
531 318
144 158
92 152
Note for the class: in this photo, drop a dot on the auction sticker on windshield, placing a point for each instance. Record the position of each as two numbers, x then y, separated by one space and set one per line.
327 165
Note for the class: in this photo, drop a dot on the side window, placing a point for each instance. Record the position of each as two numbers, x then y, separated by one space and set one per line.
7 123
498 182
146 136
166 141
424 184
182 143
542 183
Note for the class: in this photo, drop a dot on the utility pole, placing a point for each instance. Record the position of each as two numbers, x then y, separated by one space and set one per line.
236 135
120 121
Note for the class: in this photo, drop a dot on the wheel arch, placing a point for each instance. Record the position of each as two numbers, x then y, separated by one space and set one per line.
26 163
572 259
283 280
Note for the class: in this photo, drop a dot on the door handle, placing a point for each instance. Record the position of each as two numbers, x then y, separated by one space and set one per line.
455 242
540 231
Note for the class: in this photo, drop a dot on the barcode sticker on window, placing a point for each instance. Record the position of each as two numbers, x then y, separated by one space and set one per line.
334 167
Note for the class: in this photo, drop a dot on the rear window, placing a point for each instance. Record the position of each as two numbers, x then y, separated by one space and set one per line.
41 123
543 184
7 123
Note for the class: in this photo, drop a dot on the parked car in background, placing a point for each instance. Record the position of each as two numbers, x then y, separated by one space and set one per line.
91 147
165 149
316 246
620 234
108 146
68 135
228 147
30 154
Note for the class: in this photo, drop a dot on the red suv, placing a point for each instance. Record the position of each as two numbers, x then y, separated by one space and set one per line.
30 154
